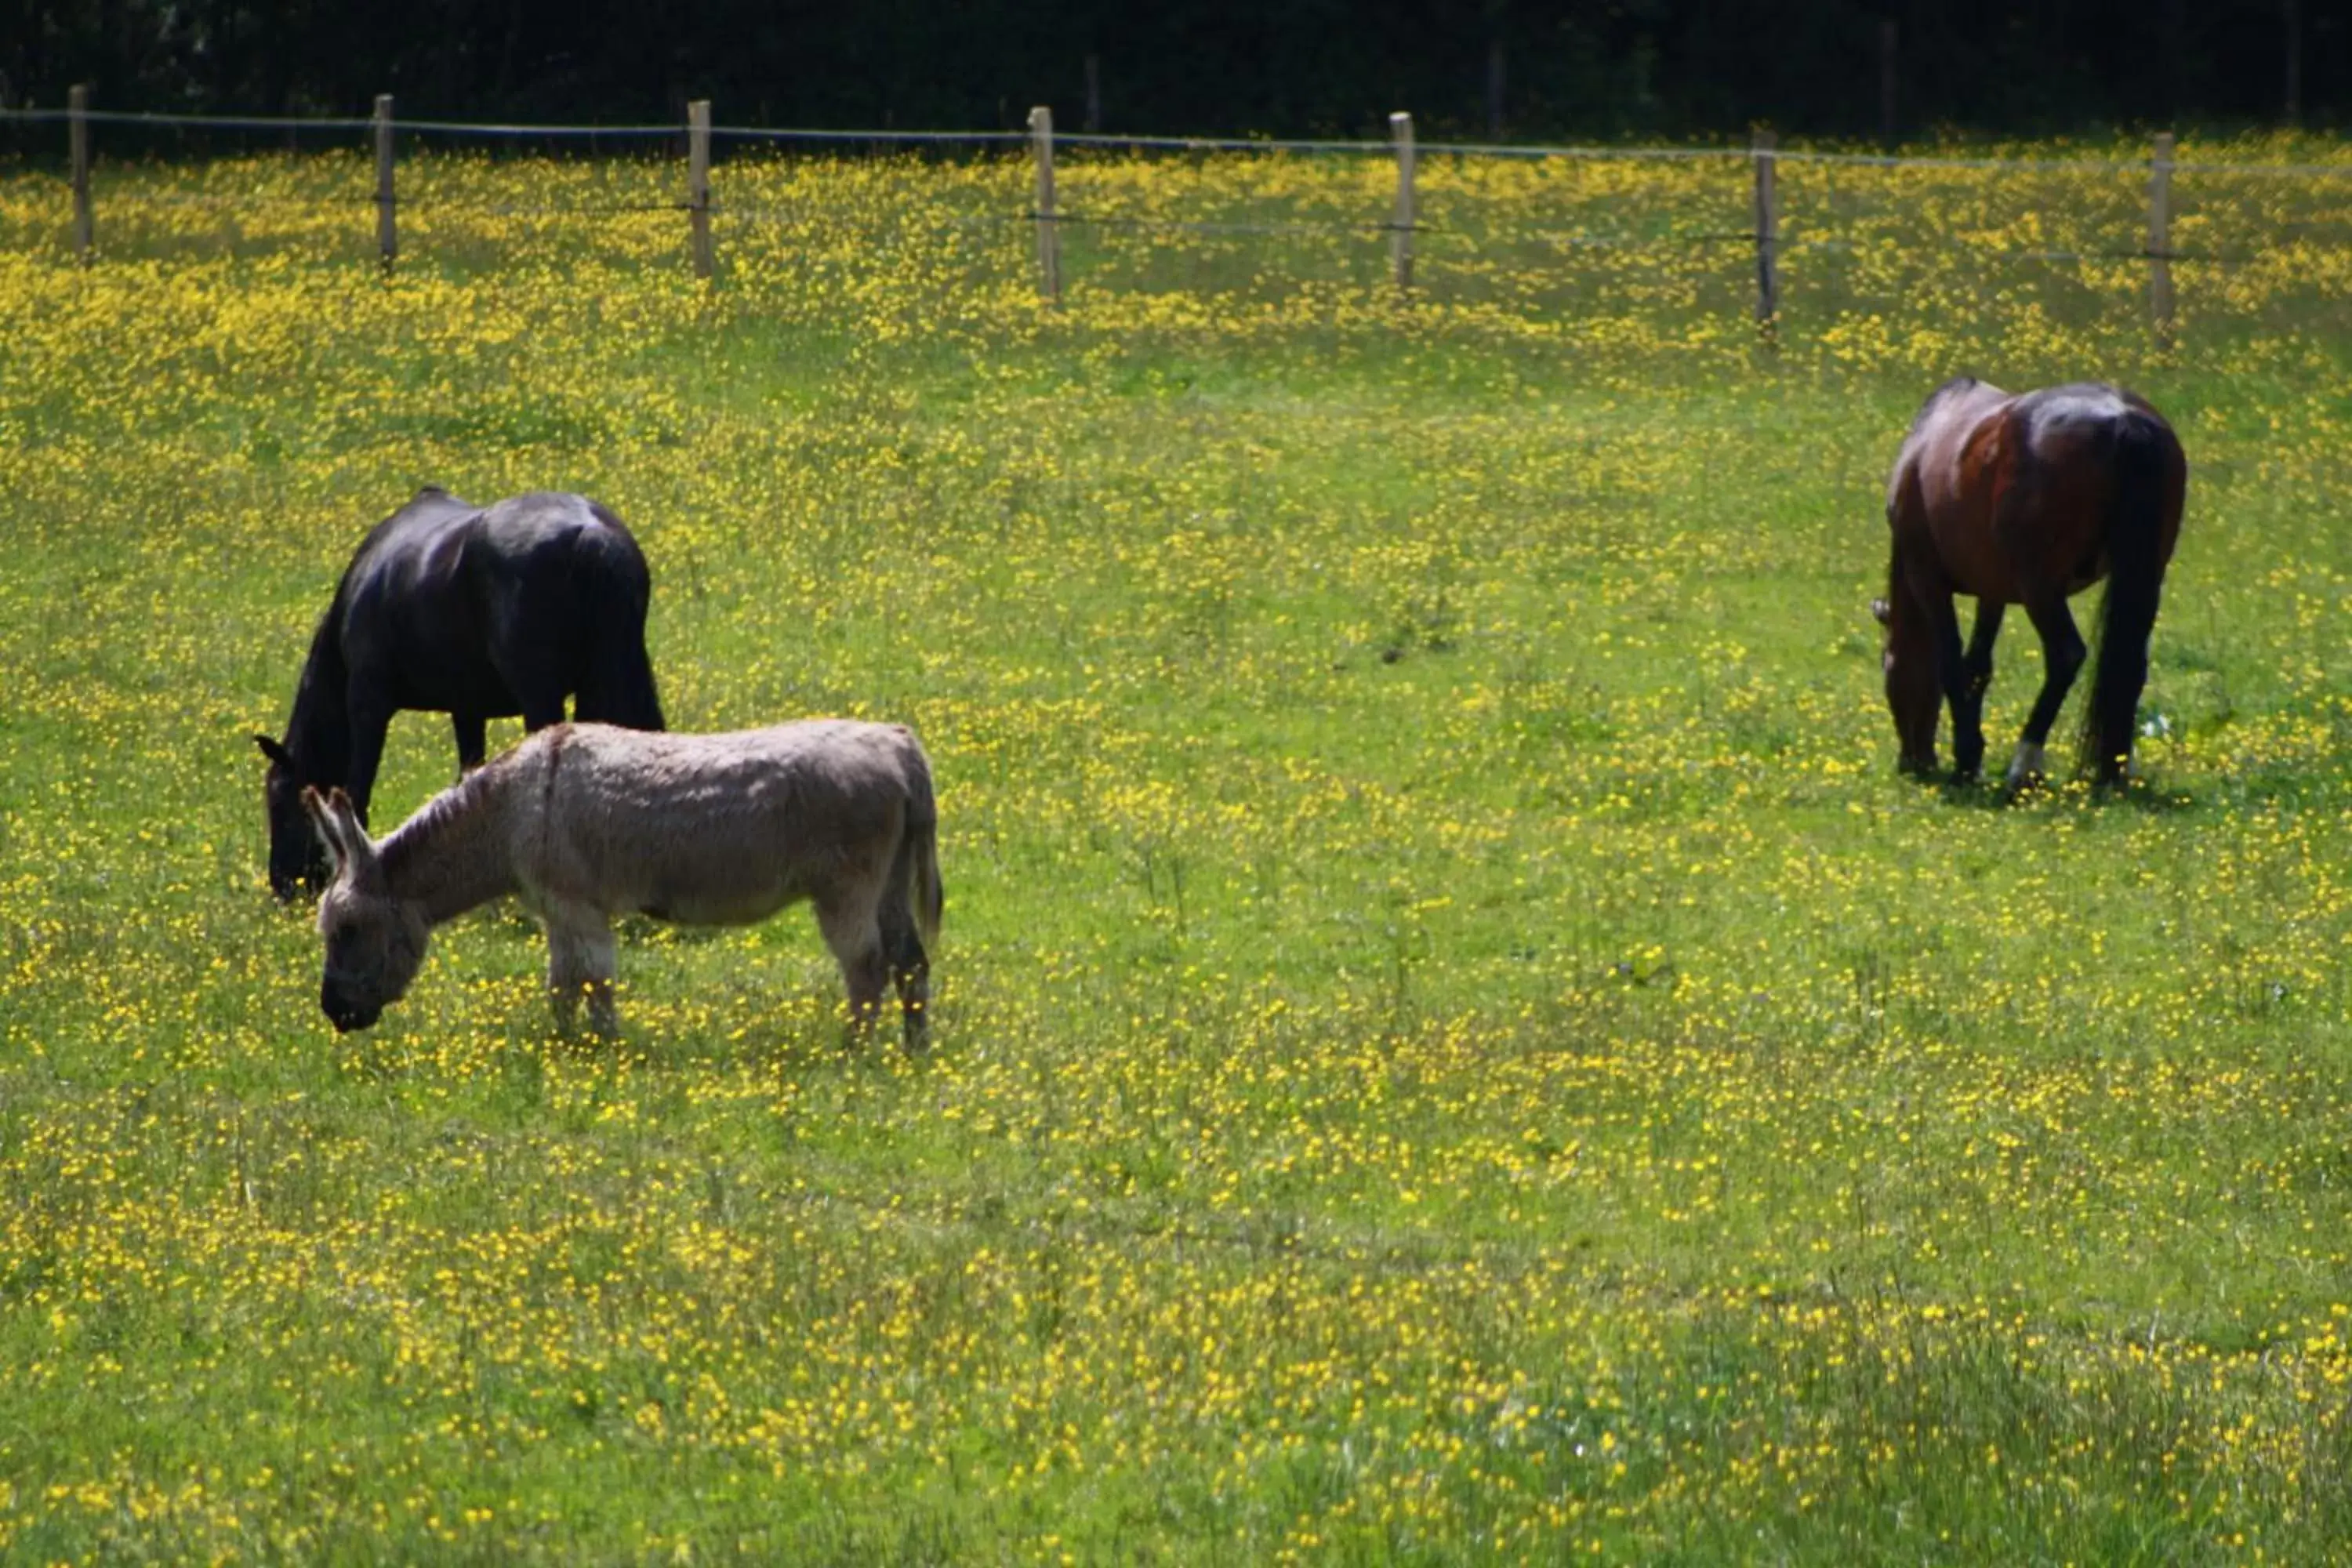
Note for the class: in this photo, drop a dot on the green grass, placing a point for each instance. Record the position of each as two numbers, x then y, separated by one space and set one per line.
1454 1043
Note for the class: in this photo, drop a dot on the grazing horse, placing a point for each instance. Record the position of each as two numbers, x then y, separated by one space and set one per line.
2025 501
481 613
587 820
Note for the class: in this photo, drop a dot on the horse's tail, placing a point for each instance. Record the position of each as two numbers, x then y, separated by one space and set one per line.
2132 538
617 681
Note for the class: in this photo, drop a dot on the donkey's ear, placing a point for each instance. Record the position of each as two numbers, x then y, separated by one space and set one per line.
357 845
322 822
347 822
275 753
338 826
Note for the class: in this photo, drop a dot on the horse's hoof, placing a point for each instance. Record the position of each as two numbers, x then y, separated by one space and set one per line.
2026 769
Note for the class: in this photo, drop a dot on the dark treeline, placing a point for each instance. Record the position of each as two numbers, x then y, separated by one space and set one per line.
1307 67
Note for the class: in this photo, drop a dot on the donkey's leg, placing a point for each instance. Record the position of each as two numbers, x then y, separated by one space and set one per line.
1968 701
2061 657
581 957
473 732
910 965
847 917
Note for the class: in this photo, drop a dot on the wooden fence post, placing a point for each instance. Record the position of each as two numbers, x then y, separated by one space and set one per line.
387 233
78 147
1768 231
1049 234
1400 227
2160 236
697 181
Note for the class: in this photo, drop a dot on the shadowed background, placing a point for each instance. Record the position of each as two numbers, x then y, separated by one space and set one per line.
1311 67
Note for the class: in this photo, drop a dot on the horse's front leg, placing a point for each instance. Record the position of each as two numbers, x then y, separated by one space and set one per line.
370 721
1968 696
2062 656
582 959
1951 680
473 732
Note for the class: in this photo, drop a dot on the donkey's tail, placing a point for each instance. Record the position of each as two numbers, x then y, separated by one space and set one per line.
2133 540
918 851
615 682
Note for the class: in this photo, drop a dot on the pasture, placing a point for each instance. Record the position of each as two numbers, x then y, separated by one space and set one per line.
1451 1039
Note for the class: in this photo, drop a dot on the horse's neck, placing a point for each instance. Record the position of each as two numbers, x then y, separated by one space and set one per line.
318 732
455 853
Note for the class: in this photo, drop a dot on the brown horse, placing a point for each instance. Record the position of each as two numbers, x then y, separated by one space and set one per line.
2026 500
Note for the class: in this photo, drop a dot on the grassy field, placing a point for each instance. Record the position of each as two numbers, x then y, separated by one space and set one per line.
1454 1043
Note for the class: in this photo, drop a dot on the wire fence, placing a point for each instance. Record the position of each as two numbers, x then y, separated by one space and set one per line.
1763 231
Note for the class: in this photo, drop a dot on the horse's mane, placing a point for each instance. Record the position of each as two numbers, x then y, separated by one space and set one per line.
1957 384
317 730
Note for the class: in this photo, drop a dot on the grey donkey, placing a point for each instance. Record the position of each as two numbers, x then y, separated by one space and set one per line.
585 822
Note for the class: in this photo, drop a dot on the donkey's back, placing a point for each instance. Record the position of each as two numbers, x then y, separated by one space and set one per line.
719 828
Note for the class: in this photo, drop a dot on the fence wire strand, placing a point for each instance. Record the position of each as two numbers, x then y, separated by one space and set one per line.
1359 146
1858 209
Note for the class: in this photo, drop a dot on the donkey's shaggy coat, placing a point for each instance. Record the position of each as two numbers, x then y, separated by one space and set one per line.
585 822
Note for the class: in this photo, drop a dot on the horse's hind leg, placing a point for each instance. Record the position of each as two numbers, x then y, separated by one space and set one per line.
582 959
1967 696
1951 678
542 708
2061 657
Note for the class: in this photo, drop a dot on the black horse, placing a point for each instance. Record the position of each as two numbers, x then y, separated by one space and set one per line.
478 613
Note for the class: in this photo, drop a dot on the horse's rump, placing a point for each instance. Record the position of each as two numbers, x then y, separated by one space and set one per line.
616 679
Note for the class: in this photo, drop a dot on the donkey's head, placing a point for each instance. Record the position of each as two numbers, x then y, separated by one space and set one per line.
376 942
296 857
